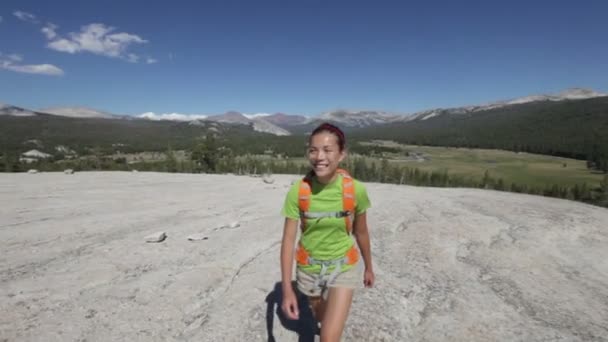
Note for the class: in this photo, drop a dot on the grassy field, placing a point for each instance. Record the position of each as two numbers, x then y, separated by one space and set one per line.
519 168
532 170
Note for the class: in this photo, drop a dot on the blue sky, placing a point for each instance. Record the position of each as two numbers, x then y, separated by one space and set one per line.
295 57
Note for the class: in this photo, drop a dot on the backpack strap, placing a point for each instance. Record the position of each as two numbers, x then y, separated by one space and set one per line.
304 199
348 201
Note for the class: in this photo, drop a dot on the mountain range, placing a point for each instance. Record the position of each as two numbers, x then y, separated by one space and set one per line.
287 124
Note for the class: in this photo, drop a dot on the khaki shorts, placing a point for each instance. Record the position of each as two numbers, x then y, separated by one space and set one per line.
352 278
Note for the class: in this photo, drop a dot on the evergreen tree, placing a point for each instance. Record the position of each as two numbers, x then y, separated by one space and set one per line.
486 181
585 193
205 154
373 173
170 160
603 200
384 171
500 185
360 169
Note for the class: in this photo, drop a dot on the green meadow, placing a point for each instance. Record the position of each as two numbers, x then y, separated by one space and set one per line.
520 168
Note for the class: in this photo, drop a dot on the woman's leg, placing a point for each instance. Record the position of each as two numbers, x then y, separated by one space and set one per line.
336 311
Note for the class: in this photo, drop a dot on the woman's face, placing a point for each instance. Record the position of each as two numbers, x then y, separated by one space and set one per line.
324 155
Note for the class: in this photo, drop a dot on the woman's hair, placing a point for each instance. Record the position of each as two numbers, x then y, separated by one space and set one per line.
327 127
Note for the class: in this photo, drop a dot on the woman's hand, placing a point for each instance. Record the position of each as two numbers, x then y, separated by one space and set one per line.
369 278
290 305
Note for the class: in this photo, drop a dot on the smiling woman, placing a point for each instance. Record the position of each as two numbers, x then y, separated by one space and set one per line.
331 207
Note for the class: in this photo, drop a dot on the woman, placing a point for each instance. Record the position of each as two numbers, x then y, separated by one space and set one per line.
329 212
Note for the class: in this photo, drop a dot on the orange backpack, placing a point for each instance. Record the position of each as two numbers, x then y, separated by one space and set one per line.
348 212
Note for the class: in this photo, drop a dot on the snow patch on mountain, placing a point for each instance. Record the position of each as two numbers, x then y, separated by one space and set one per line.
256 115
6 109
256 121
78 112
261 125
230 117
171 116
362 118
568 94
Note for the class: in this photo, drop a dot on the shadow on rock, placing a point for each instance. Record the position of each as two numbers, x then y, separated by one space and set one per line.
304 326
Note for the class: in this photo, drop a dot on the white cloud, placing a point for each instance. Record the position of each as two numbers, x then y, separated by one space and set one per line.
21 15
171 116
49 31
97 39
40 69
64 45
15 57
12 62
133 58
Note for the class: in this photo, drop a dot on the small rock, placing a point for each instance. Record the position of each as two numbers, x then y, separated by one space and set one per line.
234 224
197 237
90 313
156 237
268 179
68 171
32 171
134 170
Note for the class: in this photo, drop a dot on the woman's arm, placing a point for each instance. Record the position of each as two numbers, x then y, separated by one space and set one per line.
361 233
290 231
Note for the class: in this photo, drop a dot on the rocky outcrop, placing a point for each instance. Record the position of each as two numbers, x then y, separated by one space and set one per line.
450 264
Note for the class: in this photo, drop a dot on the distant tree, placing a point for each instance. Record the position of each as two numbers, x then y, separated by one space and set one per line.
500 185
384 171
576 192
424 178
603 164
585 192
6 162
563 192
205 155
403 179
171 164
394 174
604 190
360 170
552 191
486 180
98 154
514 188
373 173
